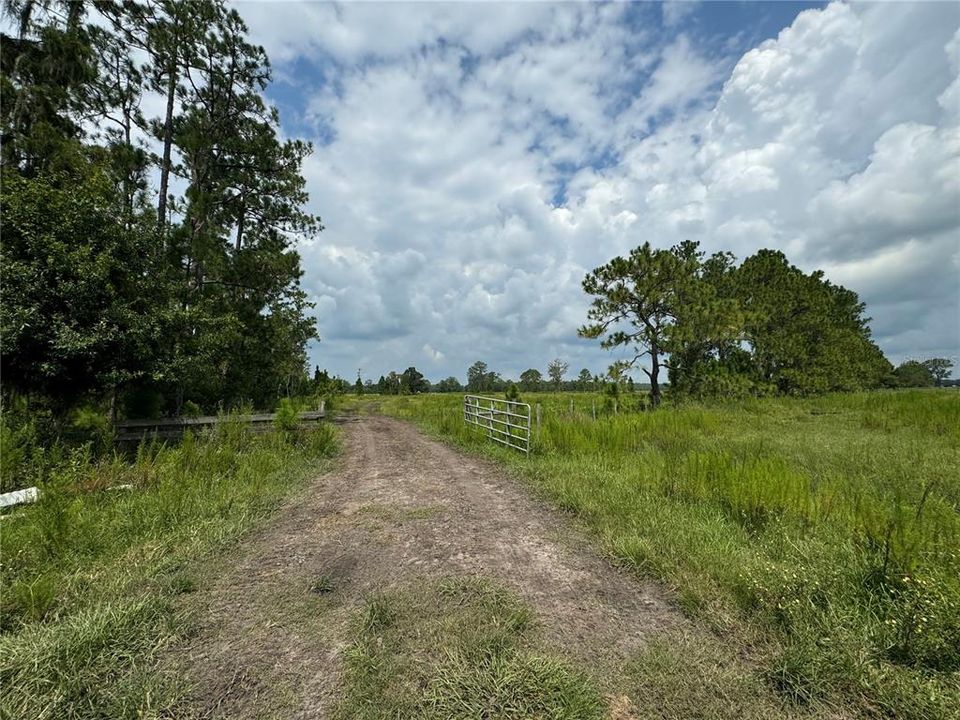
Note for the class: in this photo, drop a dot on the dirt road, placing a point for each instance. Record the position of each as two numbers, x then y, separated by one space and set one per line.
400 508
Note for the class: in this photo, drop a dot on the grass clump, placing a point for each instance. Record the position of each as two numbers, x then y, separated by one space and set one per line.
90 572
322 585
822 532
461 648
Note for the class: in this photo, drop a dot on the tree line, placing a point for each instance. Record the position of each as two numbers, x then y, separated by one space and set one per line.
481 379
148 259
720 328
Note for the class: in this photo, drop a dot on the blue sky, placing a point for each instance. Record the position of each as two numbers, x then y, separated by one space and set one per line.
473 161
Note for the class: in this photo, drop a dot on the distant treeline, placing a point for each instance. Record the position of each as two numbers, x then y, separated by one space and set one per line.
148 260
480 380
912 374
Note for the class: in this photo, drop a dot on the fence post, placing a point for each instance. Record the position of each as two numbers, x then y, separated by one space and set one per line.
615 406
538 419
571 406
593 407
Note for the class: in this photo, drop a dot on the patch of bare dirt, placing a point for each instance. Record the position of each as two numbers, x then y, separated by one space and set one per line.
399 508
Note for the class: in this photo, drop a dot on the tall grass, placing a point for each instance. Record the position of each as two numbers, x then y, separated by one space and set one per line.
91 571
824 532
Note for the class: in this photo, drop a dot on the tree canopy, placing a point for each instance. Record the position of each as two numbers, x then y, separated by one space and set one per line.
556 369
761 327
531 380
110 284
913 373
940 369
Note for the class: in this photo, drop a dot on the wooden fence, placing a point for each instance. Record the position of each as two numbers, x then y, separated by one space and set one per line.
162 428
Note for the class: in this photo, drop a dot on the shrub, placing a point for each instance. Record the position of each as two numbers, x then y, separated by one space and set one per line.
287 420
191 410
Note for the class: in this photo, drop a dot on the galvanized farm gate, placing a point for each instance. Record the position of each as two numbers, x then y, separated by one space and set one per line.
506 422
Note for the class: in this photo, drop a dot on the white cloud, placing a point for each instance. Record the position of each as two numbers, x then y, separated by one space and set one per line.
909 189
475 162
433 354
676 11
354 31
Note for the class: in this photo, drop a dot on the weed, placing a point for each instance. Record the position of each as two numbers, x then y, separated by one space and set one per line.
322 585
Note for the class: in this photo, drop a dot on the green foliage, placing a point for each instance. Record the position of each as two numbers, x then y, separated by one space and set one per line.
556 369
531 380
585 380
636 303
728 331
107 296
806 334
92 424
914 373
940 368
28 443
43 83
449 385
90 570
413 382
191 410
287 419
512 392
82 307
481 380
823 528
18 444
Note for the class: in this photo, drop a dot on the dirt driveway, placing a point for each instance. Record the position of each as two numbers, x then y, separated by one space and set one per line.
399 509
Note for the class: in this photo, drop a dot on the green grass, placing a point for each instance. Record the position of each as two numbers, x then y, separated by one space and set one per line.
821 534
458 649
91 573
465 648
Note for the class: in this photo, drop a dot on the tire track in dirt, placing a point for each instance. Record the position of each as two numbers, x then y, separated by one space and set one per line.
399 508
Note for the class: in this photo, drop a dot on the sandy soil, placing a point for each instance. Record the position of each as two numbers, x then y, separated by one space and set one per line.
400 507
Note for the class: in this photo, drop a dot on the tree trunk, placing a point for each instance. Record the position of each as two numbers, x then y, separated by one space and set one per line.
167 144
654 374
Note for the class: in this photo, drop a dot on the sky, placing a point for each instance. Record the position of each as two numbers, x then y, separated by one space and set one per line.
473 161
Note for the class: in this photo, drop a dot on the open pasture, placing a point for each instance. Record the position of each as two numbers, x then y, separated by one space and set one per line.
822 534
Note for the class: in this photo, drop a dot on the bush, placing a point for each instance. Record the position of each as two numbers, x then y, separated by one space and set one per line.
27 444
90 424
287 420
191 410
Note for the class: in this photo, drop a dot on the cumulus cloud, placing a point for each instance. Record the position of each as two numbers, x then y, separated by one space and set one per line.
474 161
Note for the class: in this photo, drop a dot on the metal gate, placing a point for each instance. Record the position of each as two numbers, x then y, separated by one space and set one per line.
506 422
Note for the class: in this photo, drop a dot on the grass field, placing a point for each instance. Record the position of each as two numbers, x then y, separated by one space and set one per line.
91 573
820 535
